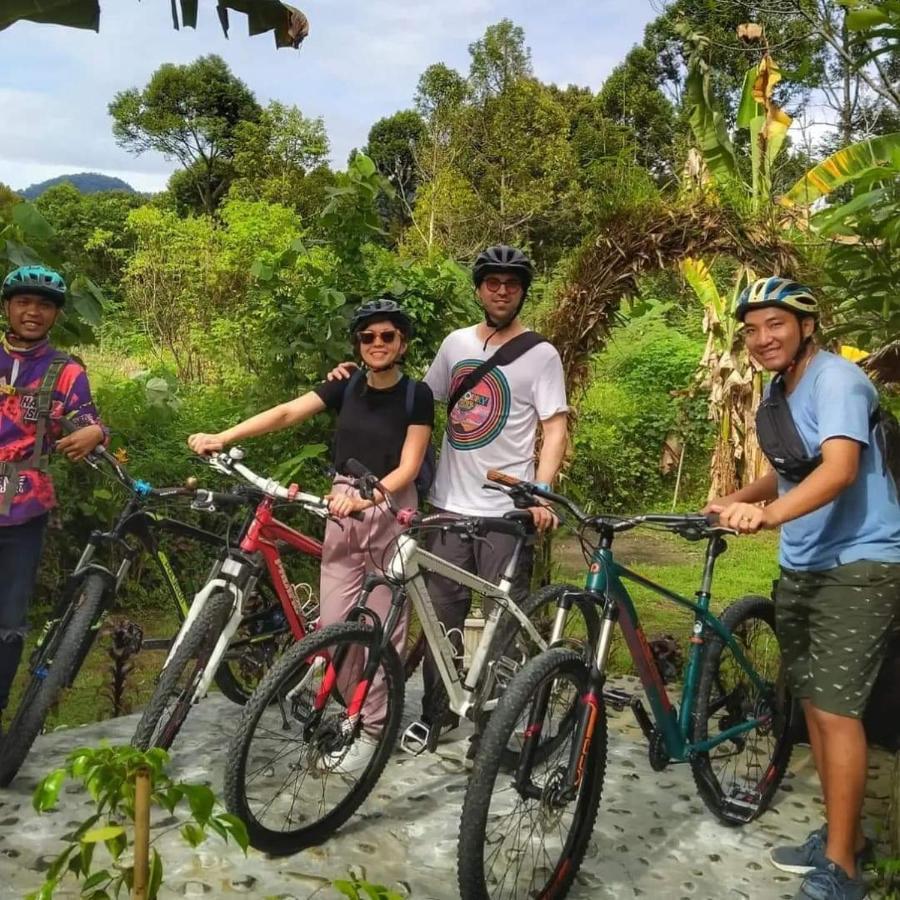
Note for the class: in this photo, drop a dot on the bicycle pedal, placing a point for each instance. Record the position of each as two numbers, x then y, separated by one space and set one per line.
742 805
414 740
616 698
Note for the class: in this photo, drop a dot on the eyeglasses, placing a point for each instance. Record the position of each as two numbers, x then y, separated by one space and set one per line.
512 285
369 337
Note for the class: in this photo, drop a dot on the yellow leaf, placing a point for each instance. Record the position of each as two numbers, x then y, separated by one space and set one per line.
96 835
854 354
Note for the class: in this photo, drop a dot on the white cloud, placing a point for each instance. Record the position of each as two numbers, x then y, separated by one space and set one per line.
361 61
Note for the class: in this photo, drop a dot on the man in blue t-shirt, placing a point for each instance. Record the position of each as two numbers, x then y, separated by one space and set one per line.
838 597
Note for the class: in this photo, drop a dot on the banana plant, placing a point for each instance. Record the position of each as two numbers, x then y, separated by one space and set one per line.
731 379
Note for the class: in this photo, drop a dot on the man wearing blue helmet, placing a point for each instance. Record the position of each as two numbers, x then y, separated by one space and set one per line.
838 597
38 384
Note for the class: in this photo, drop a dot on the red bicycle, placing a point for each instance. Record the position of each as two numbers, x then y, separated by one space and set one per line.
222 623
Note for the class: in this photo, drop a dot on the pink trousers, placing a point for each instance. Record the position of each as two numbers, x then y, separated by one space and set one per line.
350 551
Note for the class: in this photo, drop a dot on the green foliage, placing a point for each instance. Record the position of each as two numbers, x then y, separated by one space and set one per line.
627 414
109 775
189 113
358 889
27 238
274 155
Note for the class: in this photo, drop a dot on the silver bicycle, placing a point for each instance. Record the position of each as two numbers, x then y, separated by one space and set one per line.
316 734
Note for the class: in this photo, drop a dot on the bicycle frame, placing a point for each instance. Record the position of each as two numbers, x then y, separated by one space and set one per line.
605 579
406 567
237 575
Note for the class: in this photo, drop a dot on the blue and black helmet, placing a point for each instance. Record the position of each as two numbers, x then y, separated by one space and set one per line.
777 292
35 280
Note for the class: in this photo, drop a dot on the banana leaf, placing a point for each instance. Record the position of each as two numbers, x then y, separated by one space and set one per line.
708 124
843 166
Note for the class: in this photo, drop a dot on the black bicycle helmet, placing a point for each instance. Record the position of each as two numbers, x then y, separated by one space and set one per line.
383 308
502 258
35 280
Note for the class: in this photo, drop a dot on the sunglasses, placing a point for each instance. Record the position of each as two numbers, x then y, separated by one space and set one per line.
369 337
494 284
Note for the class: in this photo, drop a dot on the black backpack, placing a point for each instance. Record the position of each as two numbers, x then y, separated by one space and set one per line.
780 441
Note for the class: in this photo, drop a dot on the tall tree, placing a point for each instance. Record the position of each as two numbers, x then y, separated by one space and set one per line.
274 154
499 59
394 144
188 113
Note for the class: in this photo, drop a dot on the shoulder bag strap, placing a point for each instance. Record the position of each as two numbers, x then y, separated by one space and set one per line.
505 355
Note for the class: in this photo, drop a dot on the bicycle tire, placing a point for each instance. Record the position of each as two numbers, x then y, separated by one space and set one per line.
477 844
511 647
44 690
713 698
268 699
158 727
234 676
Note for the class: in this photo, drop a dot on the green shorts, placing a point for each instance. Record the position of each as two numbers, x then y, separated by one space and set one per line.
833 627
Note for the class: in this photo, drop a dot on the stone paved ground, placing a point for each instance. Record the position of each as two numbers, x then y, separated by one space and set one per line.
654 838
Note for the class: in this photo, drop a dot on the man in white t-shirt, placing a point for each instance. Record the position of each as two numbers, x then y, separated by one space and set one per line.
494 425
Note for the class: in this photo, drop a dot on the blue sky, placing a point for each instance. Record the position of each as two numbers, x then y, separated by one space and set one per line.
361 61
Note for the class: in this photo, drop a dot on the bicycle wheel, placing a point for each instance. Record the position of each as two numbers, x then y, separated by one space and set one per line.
173 696
513 647
523 834
55 668
738 778
299 766
261 638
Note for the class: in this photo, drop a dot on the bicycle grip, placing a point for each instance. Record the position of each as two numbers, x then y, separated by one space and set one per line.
503 478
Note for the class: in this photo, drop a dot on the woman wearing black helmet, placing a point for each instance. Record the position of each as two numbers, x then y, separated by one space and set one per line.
384 420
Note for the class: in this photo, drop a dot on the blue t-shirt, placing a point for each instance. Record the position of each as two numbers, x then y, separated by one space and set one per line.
833 399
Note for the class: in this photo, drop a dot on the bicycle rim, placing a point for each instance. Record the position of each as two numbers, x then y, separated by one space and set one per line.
533 838
301 764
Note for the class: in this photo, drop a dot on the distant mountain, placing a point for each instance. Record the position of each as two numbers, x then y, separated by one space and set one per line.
86 182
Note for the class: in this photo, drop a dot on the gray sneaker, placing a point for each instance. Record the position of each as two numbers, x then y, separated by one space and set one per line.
811 853
831 882
800 860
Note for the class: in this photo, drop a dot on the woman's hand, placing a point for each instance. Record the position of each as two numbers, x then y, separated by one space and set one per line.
205 444
343 505
341 371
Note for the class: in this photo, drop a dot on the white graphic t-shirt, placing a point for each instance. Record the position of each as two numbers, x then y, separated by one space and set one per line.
493 426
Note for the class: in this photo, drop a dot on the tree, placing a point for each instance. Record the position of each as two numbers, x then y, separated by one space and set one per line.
189 113
274 154
392 146
631 97
499 59
440 91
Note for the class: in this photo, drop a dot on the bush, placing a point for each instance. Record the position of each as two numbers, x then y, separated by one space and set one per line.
629 411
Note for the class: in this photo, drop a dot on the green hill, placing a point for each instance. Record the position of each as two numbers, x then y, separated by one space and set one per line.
86 182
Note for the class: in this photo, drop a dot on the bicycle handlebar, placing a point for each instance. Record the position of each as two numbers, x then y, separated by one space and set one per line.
688 525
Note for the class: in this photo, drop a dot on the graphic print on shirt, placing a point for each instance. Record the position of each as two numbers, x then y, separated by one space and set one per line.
481 413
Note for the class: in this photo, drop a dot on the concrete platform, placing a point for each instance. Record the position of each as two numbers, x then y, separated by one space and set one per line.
654 838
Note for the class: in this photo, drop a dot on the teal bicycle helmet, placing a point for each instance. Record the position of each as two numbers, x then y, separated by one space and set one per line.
777 292
35 280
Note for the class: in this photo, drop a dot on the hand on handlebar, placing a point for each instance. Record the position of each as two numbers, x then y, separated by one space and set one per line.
745 518
342 505
80 443
205 444
544 518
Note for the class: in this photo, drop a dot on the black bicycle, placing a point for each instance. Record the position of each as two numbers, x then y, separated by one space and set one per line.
91 589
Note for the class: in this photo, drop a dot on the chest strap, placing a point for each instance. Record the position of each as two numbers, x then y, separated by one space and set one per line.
40 454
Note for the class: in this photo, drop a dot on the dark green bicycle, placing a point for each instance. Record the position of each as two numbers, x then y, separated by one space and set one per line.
525 830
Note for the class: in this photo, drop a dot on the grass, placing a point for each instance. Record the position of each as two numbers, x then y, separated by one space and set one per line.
748 566
90 697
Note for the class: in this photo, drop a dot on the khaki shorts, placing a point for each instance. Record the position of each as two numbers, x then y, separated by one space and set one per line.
833 627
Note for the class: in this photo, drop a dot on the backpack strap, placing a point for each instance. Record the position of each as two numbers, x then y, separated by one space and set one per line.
410 397
44 400
505 355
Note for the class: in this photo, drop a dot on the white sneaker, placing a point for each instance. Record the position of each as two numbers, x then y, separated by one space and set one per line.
353 759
